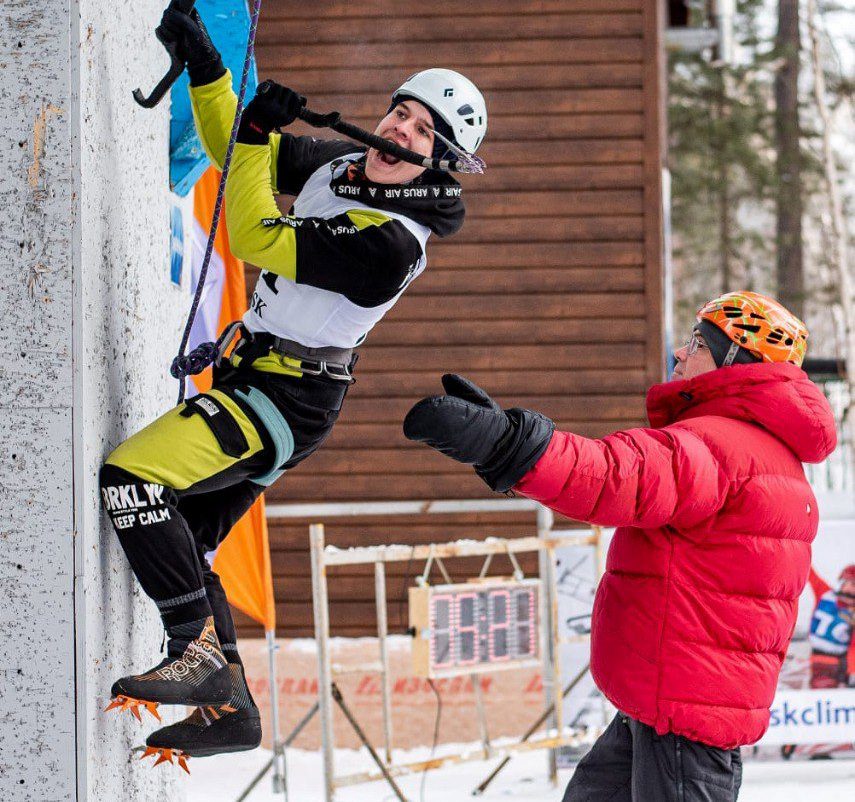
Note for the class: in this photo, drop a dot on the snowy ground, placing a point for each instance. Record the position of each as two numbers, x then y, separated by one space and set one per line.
224 778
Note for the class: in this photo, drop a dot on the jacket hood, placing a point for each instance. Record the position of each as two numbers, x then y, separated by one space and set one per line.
434 199
779 397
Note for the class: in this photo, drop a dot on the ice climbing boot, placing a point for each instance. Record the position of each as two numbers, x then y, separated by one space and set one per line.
194 672
212 729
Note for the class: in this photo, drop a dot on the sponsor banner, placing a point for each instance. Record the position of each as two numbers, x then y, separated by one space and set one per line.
812 717
513 700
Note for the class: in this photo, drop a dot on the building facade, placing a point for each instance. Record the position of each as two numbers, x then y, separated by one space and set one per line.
551 296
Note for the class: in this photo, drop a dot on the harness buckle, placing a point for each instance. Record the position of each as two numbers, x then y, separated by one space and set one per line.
331 370
310 368
227 338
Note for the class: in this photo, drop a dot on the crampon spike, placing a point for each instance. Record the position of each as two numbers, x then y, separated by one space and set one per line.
123 703
166 756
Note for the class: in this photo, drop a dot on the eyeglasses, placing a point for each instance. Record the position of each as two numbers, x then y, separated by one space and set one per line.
693 344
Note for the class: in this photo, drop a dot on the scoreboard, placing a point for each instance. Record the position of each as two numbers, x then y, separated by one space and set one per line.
483 625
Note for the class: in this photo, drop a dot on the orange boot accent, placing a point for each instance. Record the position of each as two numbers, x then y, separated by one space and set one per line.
216 712
166 756
123 703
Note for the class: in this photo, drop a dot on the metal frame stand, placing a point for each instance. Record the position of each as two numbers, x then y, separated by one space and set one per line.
277 762
532 730
329 694
320 602
310 714
280 769
339 699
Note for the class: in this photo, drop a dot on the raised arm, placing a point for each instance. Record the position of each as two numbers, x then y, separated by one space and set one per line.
211 96
637 477
214 106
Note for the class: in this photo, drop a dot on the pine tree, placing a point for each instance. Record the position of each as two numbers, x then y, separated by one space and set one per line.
789 202
721 157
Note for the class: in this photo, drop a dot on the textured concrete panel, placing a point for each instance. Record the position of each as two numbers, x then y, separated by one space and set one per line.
131 322
37 686
89 323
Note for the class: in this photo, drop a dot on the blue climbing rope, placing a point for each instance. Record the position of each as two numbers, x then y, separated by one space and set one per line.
199 358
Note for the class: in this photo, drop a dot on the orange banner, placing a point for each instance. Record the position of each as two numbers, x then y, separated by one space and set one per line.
243 559
243 563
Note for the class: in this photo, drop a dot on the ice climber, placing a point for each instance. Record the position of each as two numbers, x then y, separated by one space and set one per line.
714 518
832 649
353 242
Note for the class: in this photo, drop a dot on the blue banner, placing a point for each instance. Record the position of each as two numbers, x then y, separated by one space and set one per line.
228 23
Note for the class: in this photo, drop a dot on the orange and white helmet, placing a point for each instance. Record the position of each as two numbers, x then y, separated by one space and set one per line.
758 324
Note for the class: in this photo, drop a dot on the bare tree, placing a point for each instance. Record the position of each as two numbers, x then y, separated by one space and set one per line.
839 235
788 147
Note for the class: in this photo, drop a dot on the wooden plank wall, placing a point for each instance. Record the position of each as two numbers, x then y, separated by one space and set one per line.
549 296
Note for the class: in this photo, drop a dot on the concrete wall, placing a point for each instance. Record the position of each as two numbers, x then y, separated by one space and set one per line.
89 325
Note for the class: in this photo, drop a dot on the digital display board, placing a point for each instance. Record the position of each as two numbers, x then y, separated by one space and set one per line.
476 626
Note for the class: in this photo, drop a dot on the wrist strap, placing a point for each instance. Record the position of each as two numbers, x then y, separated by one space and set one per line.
205 72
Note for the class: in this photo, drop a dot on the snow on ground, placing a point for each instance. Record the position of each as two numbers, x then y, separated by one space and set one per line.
222 779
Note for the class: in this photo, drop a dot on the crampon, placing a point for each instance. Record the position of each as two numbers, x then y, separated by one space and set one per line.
167 756
123 703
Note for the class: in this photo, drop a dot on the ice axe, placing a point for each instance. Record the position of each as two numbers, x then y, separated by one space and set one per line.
460 161
175 69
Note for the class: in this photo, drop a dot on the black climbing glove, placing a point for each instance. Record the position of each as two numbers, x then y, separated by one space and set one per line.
467 425
274 106
193 44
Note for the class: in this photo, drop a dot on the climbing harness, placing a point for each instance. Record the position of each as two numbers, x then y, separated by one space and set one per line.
278 429
328 361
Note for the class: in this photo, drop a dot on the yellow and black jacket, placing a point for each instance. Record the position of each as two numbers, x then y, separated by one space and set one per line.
348 248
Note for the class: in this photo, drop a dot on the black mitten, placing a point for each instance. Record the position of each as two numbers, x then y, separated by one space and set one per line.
467 425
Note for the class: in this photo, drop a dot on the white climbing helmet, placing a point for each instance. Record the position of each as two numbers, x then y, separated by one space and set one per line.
455 99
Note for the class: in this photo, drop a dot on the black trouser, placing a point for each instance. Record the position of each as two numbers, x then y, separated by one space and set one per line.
174 490
629 762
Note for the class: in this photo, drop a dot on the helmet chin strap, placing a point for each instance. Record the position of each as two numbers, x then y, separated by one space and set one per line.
730 355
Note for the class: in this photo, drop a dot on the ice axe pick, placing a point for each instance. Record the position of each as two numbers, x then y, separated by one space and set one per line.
175 69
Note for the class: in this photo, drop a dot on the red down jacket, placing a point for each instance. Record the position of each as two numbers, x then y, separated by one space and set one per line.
715 519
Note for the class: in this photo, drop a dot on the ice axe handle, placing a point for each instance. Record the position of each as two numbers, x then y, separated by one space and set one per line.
175 69
317 120
462 163
333 120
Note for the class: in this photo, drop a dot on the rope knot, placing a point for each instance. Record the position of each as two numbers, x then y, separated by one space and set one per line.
194 362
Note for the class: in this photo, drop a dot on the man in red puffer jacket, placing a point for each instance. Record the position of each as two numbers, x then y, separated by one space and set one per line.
714 519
